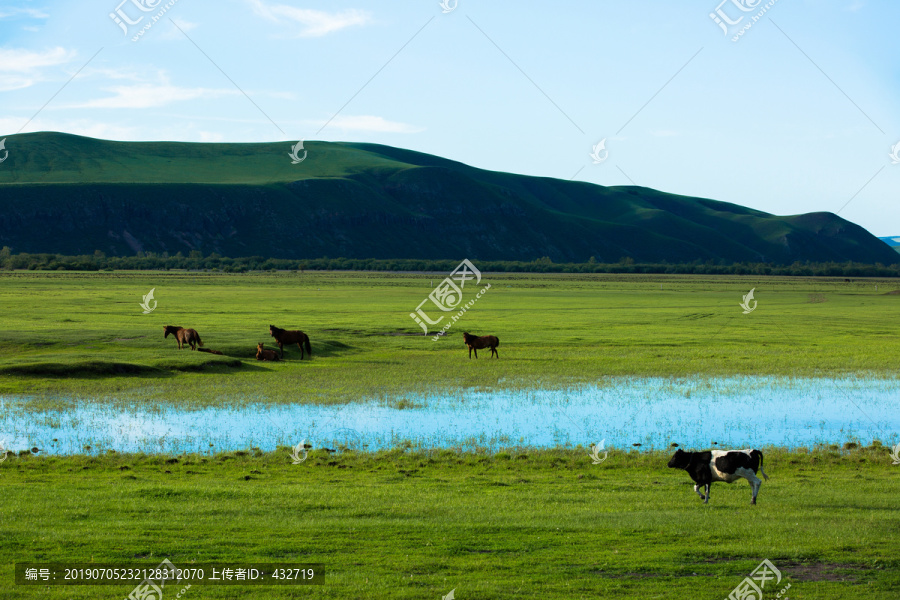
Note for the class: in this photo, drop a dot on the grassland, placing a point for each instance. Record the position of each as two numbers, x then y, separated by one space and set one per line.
69 336
400 524
416 524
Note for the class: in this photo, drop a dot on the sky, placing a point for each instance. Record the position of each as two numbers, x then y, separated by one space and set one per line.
785 106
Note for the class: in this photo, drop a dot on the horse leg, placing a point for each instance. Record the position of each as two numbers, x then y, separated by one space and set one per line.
470 352
299 345
494 351
280 345
476 351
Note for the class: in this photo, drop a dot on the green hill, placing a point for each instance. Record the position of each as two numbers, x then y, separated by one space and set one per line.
73 195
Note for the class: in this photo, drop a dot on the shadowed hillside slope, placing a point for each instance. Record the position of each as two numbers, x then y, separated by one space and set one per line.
73 195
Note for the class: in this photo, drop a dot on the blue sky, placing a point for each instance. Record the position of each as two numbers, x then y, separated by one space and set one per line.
798 115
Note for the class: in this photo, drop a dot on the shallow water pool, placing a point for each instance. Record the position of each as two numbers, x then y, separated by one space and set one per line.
620 412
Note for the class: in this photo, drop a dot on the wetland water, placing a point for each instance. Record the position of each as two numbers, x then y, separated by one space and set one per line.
654 412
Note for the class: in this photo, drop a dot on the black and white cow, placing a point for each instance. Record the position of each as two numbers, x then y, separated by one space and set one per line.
720 465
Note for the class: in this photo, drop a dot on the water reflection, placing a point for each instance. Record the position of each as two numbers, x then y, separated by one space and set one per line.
652 412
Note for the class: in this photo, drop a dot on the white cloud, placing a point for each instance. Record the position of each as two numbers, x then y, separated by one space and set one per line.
25 61
315 23
84 127
33 13
210 136
371 124
120 73
20 68
173 33
151 95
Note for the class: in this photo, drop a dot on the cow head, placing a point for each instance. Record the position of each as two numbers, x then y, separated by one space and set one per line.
680 459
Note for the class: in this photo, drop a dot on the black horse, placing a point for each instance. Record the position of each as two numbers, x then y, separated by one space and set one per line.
479 343
283 337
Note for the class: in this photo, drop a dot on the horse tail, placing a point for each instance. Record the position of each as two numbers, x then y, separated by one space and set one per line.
199 343
306 343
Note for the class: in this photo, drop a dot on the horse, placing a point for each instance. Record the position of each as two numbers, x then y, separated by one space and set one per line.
283 337
477 343
263 354
183 336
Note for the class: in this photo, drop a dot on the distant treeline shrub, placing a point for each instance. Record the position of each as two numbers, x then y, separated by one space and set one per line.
213 262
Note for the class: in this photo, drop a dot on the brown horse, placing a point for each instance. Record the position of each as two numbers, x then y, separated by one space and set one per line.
183 336
263 354
283 337
479 343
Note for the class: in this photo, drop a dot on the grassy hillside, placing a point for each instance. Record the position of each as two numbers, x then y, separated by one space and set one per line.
74 195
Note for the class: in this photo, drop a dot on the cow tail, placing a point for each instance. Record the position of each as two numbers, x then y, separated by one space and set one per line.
761 466
308 348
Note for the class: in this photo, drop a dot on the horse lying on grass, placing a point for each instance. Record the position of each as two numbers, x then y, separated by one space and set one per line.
479 343
263 354
283 337
183 336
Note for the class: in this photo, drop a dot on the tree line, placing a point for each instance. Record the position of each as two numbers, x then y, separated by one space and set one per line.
196 261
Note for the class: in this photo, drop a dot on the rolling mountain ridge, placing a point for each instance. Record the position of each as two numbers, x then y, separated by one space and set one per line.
67 194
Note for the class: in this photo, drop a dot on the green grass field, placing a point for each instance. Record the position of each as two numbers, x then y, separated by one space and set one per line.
398 524
85 336
416 524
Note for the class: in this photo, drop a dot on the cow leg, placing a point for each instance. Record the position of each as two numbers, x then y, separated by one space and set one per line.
707 494
697 489
755 483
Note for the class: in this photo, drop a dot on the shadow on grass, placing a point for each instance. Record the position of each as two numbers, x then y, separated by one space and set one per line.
320 349
96 368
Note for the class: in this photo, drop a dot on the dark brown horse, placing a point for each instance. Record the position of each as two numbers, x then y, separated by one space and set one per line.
263 354
183 336
283 337
479 343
